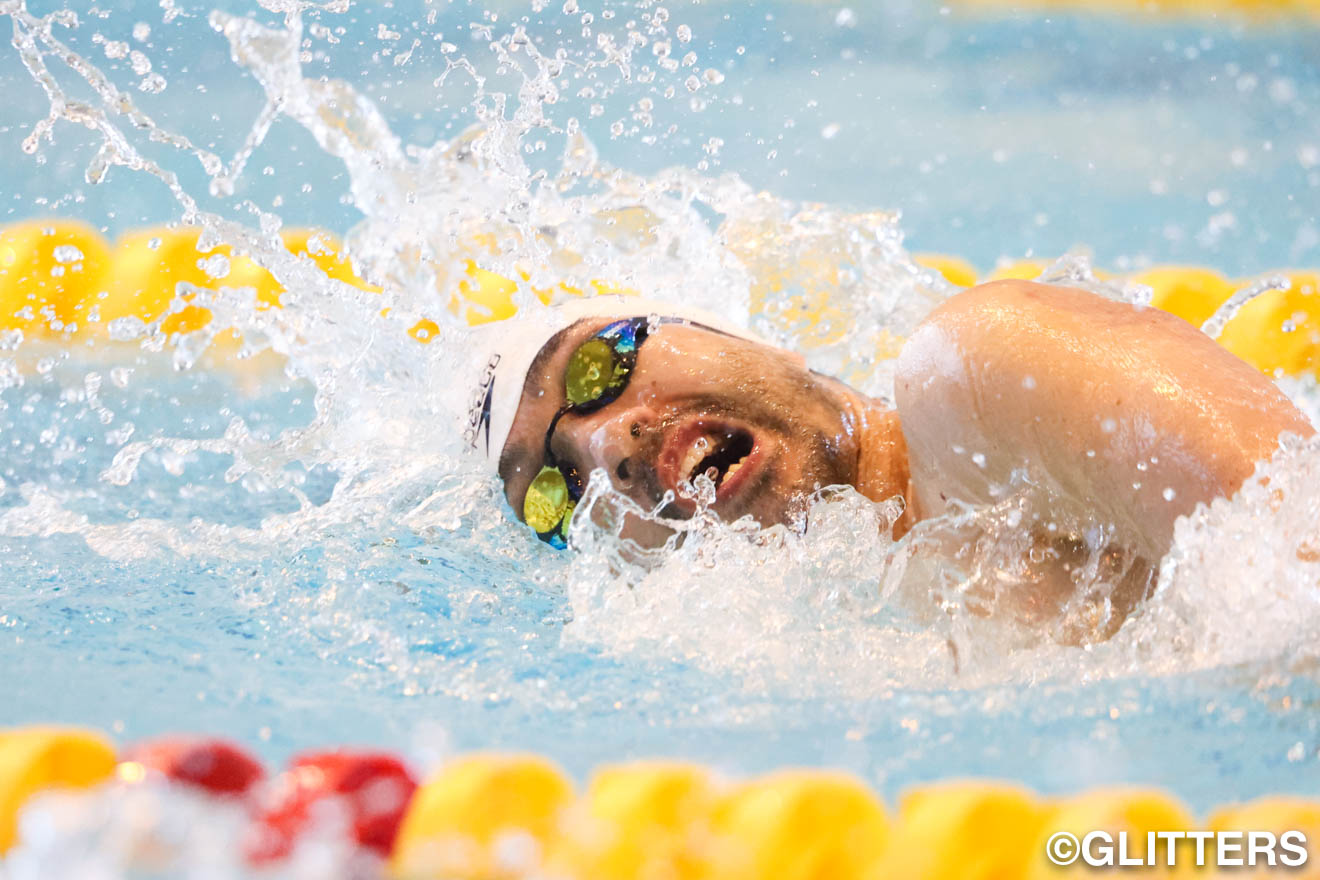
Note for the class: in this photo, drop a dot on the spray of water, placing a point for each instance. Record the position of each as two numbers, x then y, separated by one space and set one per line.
828 604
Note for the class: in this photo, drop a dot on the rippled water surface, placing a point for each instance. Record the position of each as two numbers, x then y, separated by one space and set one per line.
293 551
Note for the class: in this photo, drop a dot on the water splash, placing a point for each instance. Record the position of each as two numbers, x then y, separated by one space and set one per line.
836 600
331 520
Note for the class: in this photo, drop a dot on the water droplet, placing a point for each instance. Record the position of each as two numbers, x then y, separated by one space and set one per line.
1169 494
140 63
66 253
113 49
215 266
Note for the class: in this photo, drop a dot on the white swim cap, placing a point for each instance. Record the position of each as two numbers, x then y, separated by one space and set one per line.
510 346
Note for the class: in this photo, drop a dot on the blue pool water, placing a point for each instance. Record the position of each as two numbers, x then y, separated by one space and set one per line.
300 559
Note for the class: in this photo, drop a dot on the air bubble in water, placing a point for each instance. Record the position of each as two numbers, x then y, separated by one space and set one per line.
141 31
66 253
684 33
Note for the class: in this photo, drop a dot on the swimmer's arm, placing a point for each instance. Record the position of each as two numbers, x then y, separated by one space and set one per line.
1127 412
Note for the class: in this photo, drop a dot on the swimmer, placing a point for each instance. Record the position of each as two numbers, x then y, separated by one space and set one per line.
1105 412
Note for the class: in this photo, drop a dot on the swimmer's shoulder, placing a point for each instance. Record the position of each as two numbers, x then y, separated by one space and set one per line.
999 311
1082 387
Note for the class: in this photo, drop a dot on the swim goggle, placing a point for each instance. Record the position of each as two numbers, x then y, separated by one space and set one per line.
598 371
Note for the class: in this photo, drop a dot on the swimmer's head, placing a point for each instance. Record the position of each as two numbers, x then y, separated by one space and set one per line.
654 395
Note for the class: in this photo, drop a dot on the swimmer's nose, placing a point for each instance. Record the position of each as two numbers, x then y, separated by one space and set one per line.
611 439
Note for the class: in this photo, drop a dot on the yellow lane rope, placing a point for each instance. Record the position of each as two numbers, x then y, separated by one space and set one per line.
60 279
483 816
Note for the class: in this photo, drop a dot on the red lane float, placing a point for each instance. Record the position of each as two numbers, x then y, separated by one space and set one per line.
212 765
372 788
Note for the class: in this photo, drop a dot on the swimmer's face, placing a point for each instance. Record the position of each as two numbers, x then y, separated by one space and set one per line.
767 429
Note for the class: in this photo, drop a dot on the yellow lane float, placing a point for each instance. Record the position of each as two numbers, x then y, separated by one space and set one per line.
150 264
1275 815
1279 331
33 759
483 816
954 269
640 820
798 825
1133 811
50 275
59 279
1190 293
1020 270
971 830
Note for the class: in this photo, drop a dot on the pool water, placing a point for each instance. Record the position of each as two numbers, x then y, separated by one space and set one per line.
298 554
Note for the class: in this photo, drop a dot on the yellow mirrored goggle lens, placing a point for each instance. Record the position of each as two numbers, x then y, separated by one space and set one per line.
590 371
546 503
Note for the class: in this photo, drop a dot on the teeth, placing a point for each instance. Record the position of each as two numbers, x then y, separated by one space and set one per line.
696 452
733 468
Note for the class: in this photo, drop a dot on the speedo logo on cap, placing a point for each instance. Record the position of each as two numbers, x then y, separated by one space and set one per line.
478 420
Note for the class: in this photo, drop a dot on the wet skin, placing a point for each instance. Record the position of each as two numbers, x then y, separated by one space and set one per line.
768 429
1111 411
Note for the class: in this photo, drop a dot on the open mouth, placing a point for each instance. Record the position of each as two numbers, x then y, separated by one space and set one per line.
718 455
